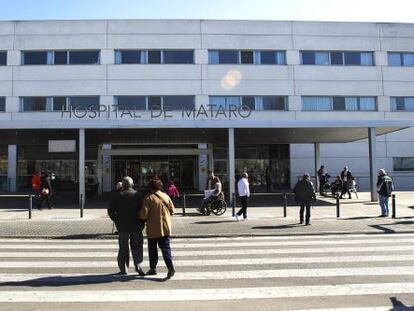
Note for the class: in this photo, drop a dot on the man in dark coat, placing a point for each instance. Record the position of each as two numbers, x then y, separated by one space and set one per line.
123 210
45 192
304 195
385 187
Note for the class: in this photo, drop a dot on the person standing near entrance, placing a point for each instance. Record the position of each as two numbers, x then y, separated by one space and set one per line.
157 211
322 175
36 186
123 210
304 195
244 194
385 187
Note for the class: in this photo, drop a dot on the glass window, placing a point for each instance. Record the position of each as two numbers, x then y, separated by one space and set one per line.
213 57
154 102
321 58
59 103
274 103
367 59
246 57
403 164
338 103
351 103
178 102
308 58
154 57
83 57
34 103
248 101
316 103
408 59
228 57
178 57
352 58
281 58
61 58
35 58
217 101
130 57
3 58
397 104
367 104
337 58
409 104
394 59
2 104
233 101
131 102
84 102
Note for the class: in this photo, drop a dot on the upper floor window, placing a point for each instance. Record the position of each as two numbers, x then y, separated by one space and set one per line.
403 163
338 103
402 104
60 57
247 57
401 59
252 102
177 102
33 103
154 57
2 104
59 103
3 58
131 102
83 102
337 58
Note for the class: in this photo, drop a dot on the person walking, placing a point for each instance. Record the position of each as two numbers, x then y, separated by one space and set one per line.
157 211
322 175
244 194
123 210
172 190
37 186
385 187
304 195
45 192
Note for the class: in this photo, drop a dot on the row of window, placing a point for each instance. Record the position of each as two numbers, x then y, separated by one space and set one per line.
268 57
259 103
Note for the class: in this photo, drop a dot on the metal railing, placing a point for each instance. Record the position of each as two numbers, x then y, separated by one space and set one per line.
28 196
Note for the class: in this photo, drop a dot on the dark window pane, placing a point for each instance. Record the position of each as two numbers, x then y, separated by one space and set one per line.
178 102
131 57
249 102
247 57
400 103
35 58
403 164
2 104
34 104
274 103
61 58
83 57
84 102
178 57
228 57
338 103
267 57
154 102
352 58
308 58
131 103
3 58
337 58
59 103
154 57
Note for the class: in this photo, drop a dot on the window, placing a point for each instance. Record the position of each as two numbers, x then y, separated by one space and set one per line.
178 102
59 103
246 57
35 58
401 59
321 58
33 104
316 103
3 58
83 57
402 104
228 57
249 101
225 101
253 102
403 164
61 58
337 58
308 58
154 102
131 102
328 103
270 57
154 57
2 104
84 102
338 103
178 57
271 103
130 57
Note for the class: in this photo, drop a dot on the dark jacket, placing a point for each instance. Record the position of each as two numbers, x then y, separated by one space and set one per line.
123 210
304 191
385 186
45 184
349 176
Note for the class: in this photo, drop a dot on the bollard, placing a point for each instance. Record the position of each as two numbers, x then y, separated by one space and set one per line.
284 205
81 206
393 206
337 206
184 204
233 210
30 205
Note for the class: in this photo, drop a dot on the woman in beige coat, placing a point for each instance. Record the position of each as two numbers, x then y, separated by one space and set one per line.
157 211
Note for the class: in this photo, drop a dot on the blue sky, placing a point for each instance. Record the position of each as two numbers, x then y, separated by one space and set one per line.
335 10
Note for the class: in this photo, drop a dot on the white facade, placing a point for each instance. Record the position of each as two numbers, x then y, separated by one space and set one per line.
202 79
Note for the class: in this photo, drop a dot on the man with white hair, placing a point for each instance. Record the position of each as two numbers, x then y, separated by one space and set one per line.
123 210
385 187
244 194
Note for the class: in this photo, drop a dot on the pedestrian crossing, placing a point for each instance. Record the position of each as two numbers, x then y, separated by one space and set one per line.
330 272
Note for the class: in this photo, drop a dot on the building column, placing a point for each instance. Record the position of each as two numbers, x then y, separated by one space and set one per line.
99 170
106 168
231 165
202 165
372 136
317 148
81 164
12 168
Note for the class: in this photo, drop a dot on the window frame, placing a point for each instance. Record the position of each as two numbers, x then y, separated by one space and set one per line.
3 53
331 100
343 58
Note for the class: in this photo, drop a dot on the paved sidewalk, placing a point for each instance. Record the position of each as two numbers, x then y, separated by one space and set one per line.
357 216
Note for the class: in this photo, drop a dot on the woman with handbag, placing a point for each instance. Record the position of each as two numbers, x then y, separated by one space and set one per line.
157 211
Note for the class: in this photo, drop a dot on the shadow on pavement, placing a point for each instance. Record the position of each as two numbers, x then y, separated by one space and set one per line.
397 305
385 229
277 227
209 222
83 236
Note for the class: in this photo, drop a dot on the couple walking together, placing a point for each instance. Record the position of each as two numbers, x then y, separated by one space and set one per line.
131 212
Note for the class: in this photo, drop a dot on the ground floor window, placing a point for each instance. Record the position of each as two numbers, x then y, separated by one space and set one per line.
3 168
403 164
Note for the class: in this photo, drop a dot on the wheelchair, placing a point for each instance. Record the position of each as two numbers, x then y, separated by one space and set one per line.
216 205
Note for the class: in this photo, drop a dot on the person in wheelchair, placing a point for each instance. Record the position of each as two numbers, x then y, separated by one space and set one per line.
211 195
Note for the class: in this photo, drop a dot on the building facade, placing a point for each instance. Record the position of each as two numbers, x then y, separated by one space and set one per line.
174 98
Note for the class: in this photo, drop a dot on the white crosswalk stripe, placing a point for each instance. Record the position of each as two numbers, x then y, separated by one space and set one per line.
213 269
